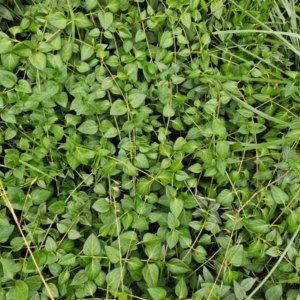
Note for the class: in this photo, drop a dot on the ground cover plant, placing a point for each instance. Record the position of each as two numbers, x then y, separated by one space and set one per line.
149 149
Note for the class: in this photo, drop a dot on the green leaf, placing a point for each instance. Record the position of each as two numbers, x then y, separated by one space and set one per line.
141 161
86 51
176 207
114 5
102 205
39 196
38 60
8 79
67 260
114 278
150 274
199 254
235 255
93 269
91 246
239 291
274 292
58 20
10 61
129 169
222 149
168 111
225 198
279 195
106 19
8 118
216 8
118 108
23 86
82 20
157 293
91 4
186 19
218 127
20 290
63 277
177 266
5 13
136 98
88 127
181 289
79 278
57 207
113 254
256 225
140 35
166 39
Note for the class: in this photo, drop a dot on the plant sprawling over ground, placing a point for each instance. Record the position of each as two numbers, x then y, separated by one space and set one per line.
149 149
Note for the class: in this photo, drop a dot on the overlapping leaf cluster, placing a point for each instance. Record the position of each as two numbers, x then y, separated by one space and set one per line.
149 149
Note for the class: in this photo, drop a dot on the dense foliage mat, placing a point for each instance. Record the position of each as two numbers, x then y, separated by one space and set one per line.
149 149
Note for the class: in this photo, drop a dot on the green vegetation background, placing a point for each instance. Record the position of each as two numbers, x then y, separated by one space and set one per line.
149 149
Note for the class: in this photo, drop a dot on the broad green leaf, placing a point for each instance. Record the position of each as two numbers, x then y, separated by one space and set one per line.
153 251
136 98
140 35
57 207
274 292
88 127
279 195
166 39
106 19
239 291
93 269
225 198
141 161
235 255
181 289
86 51
82 20
151 274
39 196
186 19
130 169
158 293
58 20
114 278
177 266
63 277
8 118
102 205
91 4
23 86
20 290
176 207
256 225
113 254
199 254
8 79
118 108
168 111
10 61
216 8
114 5
91 246
218 127
222 148
38 60
67 260
5 13
79 278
